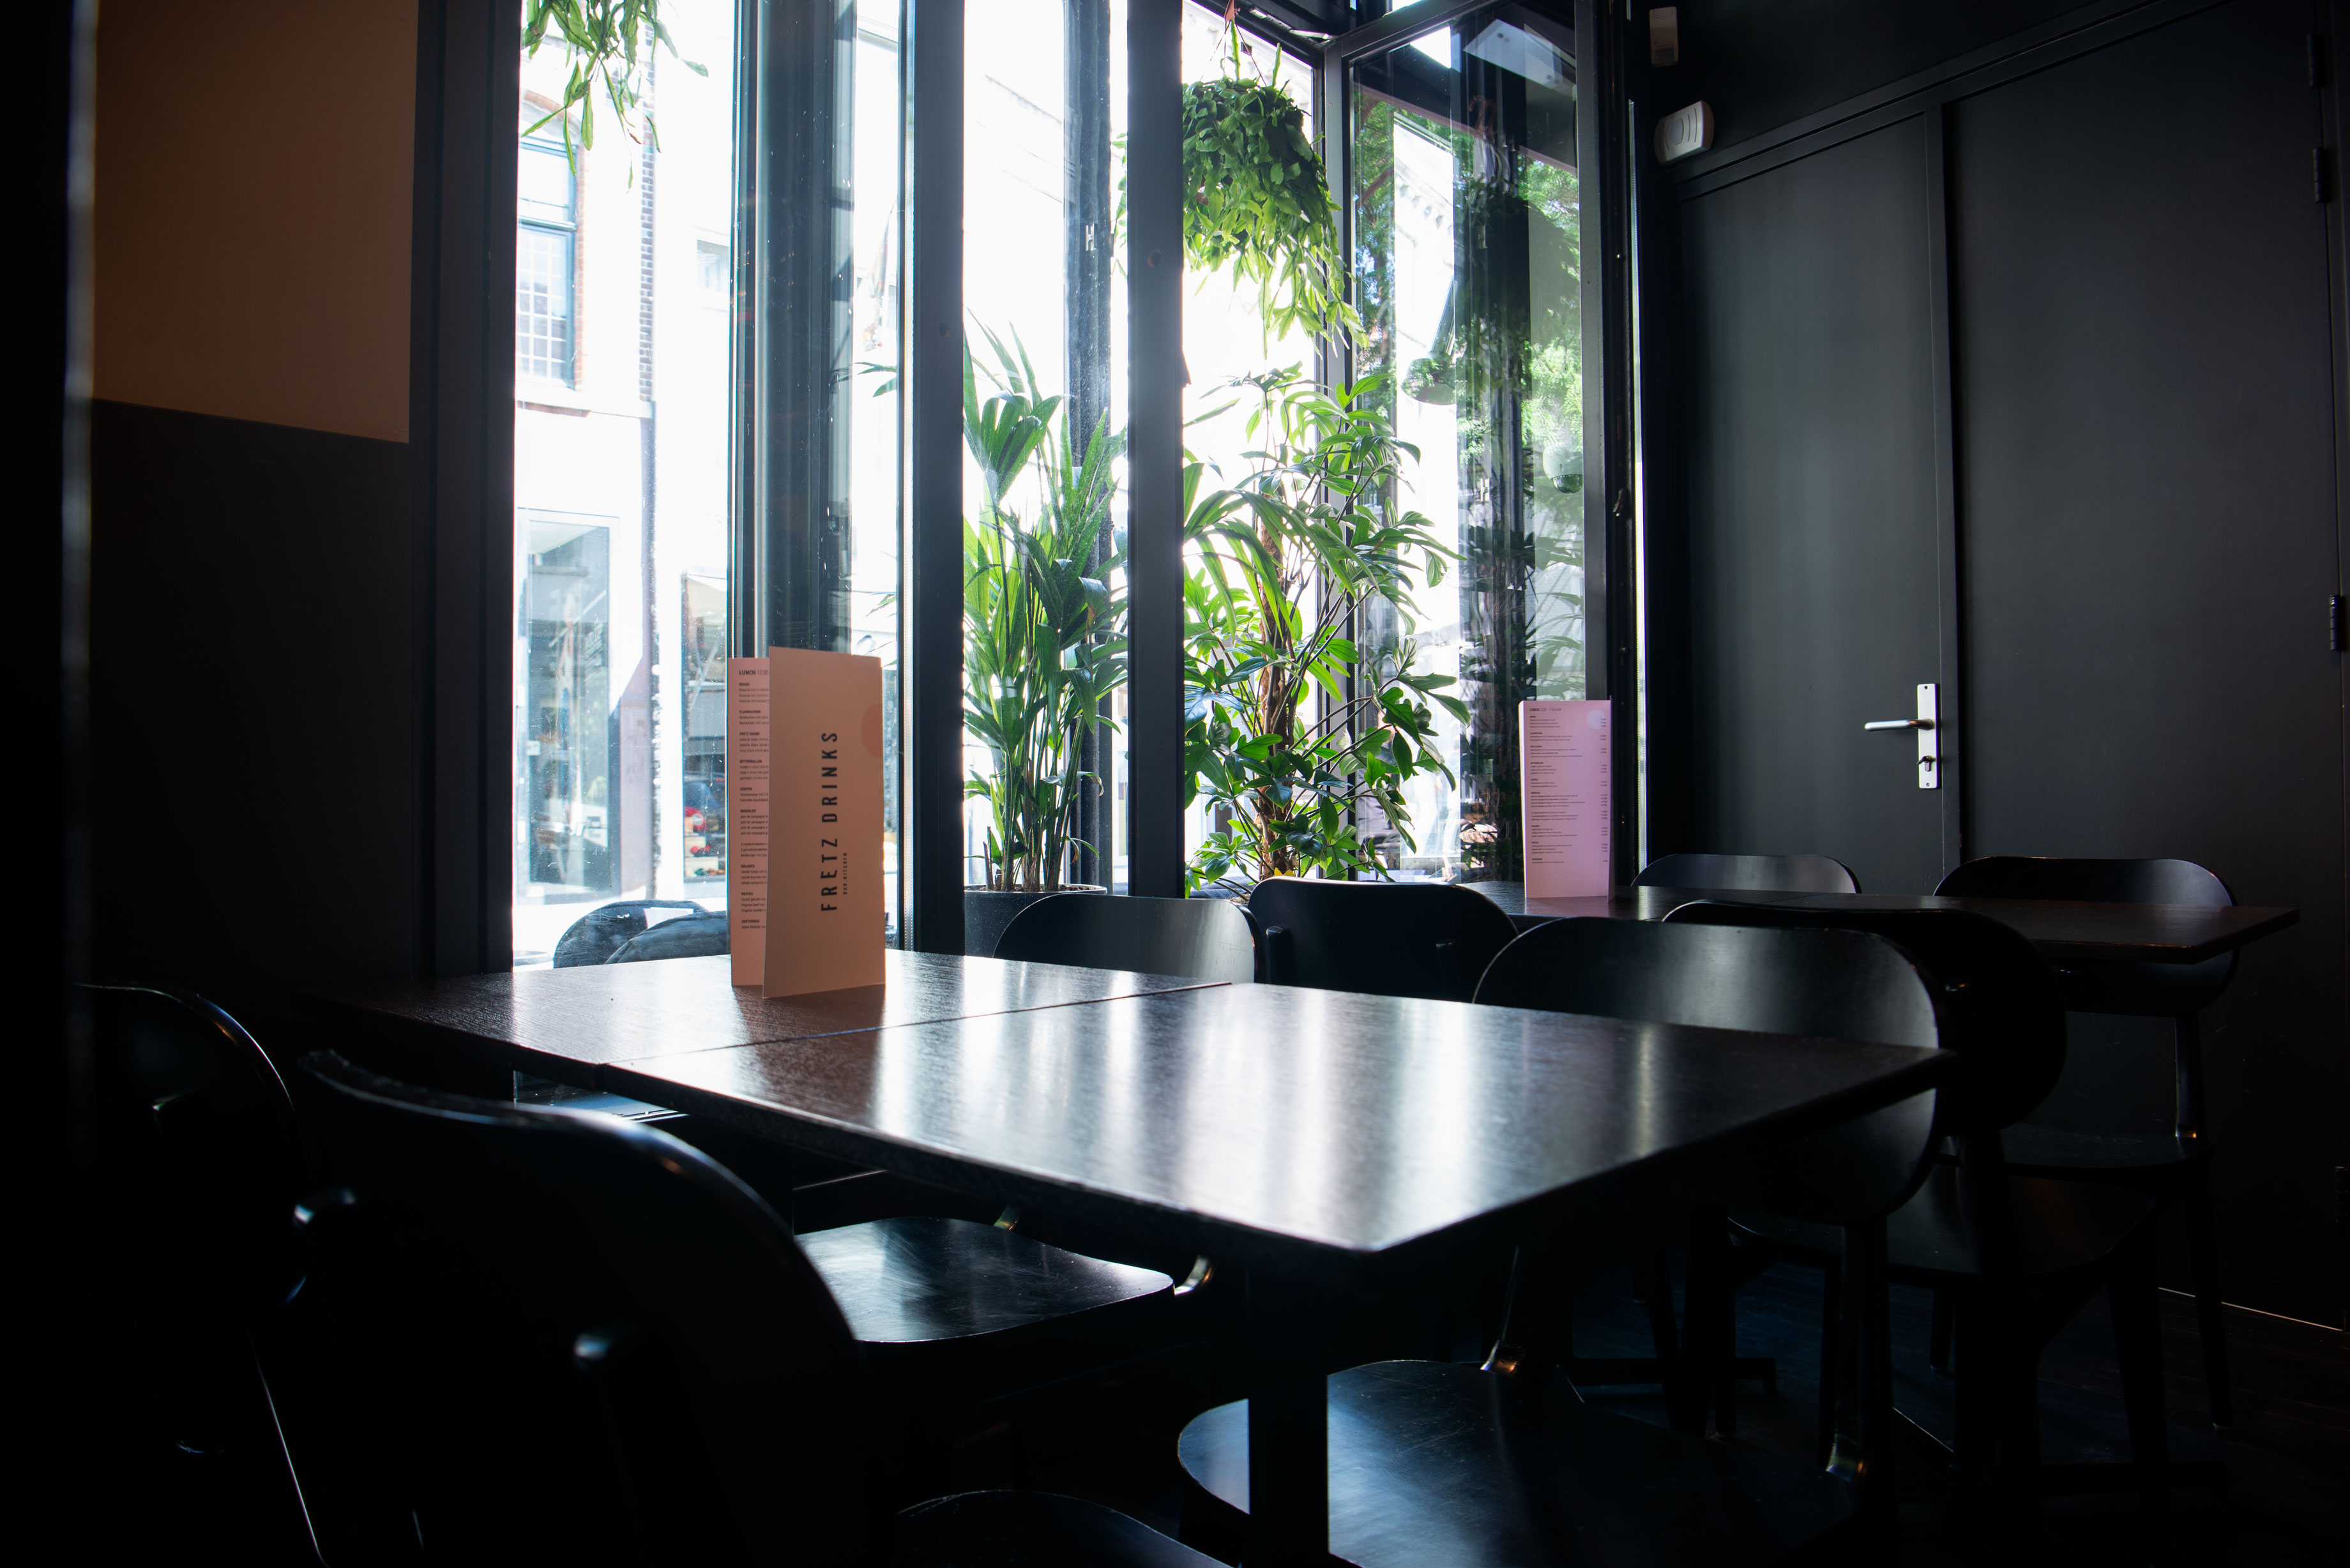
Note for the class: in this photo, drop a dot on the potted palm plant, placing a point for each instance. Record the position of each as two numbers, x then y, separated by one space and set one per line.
1044 639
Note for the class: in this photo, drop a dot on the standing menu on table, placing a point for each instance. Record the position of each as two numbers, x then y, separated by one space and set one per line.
1565 752
806 895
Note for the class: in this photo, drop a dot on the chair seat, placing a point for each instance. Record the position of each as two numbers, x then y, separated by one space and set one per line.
2035 1149
911 1281
1032 1530
1432 1462
2060 1226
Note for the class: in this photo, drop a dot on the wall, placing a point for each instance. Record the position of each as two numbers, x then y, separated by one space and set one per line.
1765 64
2021 377
253 218
261 624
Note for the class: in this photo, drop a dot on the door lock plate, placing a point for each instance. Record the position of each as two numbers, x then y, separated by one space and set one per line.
1930 736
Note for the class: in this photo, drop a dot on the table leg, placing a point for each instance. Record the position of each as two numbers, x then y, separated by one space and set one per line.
1289 1434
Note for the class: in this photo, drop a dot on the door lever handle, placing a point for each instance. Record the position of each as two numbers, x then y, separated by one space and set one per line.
1930 750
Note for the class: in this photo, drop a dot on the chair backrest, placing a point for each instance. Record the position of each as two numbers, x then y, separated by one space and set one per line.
596 935
1749 873
585 1339
1388 939
2000 1004
1199 938
1845 985
694 936
2144 990
201 1161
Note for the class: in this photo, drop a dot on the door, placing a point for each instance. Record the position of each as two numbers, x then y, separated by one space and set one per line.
1812 544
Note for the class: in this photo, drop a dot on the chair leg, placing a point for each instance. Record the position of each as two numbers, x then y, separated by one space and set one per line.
1975 1392
1831 1362
1937 1354
2017 1380
2203 1259
1678 1350
1538 1306
2136 1309
1865 1442
1709 1328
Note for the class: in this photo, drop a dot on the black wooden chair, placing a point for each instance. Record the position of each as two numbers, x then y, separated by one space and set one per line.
201 1163
597 934
1749 873
1388 939
1199 938
585 1340
1653 1278
2172 1165
2019 1255
1433 1462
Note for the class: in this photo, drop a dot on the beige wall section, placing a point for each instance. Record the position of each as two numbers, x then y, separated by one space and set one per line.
253 213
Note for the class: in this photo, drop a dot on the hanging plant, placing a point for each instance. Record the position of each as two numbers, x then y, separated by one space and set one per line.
1256 199
604 39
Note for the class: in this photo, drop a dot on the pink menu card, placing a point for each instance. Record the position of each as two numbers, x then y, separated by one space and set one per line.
1563 751
805 892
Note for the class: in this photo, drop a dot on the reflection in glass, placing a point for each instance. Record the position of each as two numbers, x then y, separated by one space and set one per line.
701 671
567 782
1467 231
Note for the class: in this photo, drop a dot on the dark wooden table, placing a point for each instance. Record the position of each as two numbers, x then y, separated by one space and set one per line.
2064 932
1322 1140
562 1024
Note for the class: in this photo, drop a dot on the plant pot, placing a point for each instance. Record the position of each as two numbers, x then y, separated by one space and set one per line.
985 913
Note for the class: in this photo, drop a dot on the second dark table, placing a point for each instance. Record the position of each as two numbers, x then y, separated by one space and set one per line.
2065 932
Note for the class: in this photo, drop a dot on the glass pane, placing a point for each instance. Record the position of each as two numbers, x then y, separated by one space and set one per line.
566 686
620 493
817 351
1045 324
543 305
1224 336
871 374
1466 207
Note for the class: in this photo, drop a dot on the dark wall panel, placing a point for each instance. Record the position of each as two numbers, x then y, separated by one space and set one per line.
2146 438
1812 542
1764 63
254 706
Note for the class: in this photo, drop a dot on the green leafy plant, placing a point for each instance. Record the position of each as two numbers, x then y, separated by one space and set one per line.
611 42
1256 200
1043 633
1302 704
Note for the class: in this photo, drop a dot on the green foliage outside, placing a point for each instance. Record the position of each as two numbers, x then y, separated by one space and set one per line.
1302 703
1044 639
611 42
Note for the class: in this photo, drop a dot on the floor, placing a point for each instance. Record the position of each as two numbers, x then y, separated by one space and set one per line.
1113 1437
2288 1458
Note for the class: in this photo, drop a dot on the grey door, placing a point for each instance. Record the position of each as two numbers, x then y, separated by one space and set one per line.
1812 539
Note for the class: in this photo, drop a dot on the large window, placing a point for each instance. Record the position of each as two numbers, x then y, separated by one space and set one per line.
712 416
621 542
1045 321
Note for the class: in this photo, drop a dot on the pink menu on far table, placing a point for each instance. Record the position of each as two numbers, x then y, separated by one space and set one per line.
1564 755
